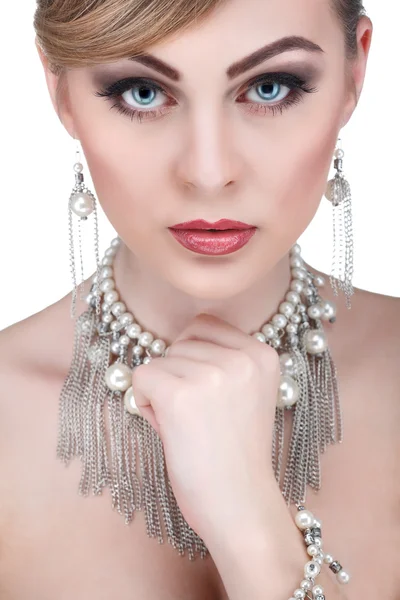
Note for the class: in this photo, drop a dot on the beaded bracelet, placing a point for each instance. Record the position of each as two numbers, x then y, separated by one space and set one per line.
311 529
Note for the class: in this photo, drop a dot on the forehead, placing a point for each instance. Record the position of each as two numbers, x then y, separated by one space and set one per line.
238 27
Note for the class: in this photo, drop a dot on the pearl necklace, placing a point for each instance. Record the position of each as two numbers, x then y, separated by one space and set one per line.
301 306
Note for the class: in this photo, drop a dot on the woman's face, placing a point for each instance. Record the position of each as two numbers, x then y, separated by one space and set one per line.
215 144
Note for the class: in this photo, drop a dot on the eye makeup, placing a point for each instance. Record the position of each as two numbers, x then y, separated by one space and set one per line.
297 83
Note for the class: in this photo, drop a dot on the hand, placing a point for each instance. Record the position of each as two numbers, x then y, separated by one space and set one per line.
212 400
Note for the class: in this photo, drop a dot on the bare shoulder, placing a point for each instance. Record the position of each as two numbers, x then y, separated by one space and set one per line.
369 330
40 344
35 354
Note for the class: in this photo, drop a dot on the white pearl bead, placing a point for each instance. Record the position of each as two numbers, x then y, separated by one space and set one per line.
107 285
328 559
299 594
315 341
119 377
319 560
147 360
287 309
146 339
318 523
314 311
343 577
111 297
115 326
126 319
312 569
116 242
339 153
312 550
115 348
78 167
288 392
134 331
295 250
299 274
279 321
107 261
82 204
296 262
305 584
137 351
107 318
297 286
89 298
287 363
293 297
259 336
111 251
129 402
319 281
124 340
118 309
269 331
106 272
158 347
318 542
304 519
292 328
318 590
328 310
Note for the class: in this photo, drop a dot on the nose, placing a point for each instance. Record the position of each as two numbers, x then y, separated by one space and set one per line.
208 160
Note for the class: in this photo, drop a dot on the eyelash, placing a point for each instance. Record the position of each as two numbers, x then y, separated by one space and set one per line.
297 86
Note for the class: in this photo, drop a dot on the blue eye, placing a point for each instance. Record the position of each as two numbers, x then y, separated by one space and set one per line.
143 94
271 91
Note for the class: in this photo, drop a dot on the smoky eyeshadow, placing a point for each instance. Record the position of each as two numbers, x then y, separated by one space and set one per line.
103 76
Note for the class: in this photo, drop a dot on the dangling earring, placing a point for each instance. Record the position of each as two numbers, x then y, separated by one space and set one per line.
82 203
339 193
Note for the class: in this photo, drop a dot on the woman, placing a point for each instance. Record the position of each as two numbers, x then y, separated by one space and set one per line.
210 127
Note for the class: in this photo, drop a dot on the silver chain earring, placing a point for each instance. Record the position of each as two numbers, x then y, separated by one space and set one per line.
338 192
82 203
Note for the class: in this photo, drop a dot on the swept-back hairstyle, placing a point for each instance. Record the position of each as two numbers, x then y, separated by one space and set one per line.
78 33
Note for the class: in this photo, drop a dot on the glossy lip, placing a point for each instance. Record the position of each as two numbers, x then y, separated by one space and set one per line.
213 243
222 224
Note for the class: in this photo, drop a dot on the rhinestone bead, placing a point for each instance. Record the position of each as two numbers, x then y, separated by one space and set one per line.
335 566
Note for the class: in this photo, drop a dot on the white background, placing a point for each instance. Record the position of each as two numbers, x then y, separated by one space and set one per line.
37 175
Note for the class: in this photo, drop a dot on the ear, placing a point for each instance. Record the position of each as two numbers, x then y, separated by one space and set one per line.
58 90
358 66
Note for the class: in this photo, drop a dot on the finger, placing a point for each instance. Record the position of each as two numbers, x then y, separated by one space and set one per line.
181 367
209 328
207 352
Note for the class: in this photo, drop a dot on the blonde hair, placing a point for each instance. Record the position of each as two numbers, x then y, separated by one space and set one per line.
78 33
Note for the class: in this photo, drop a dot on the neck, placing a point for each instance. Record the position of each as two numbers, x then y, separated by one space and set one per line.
165 310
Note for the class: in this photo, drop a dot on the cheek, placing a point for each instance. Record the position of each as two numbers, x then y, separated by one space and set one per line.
299 174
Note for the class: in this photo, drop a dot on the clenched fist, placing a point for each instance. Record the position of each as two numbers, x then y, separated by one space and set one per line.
212 400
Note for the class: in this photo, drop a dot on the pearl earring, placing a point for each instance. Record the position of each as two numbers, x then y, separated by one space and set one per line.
82 203
338 192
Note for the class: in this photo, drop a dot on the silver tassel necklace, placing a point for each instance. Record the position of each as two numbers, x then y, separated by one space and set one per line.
127 456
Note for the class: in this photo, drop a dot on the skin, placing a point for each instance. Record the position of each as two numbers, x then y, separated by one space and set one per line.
224 162
144 183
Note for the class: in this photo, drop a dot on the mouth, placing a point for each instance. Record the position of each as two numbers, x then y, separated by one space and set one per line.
221 225
215 242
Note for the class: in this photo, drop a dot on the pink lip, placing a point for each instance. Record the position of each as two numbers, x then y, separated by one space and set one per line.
221 224
216 243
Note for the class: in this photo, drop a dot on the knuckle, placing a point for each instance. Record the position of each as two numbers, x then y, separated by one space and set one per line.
215 375
270 358
244 363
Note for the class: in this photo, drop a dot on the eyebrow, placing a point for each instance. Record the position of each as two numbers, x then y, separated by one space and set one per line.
245 64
